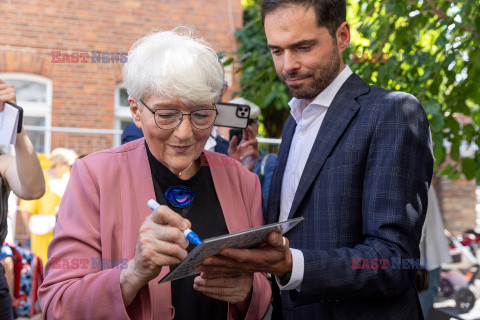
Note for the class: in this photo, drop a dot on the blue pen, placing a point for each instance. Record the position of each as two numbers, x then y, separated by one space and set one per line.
189 234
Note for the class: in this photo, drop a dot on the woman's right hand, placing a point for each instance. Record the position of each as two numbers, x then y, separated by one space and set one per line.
158 245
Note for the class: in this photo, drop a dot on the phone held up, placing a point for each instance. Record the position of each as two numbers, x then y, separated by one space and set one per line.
232 115
236 132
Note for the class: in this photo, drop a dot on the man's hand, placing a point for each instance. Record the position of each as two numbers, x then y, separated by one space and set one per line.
236 288
274 258
7 93
247 151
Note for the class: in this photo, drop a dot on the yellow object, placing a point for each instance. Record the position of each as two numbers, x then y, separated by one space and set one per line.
45 205
44 161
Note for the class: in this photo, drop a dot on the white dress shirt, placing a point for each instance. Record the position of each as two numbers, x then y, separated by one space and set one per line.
309 118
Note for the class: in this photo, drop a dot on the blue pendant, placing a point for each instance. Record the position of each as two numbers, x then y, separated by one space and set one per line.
179 196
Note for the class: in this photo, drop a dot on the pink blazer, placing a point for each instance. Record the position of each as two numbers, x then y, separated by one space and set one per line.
100 214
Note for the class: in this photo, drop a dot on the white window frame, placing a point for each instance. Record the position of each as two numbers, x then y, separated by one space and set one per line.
122 113
36 109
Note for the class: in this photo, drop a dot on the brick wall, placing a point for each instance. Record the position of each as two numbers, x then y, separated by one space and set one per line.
457 201
83 93
457 198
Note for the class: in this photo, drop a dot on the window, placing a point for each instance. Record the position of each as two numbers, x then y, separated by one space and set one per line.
34 95
122 112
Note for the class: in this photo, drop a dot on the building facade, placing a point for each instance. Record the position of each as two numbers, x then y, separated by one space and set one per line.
65 59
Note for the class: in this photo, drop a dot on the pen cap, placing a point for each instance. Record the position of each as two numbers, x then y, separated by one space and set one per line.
152 204
192 236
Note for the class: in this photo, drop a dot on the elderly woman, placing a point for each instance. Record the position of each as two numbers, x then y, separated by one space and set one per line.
109 249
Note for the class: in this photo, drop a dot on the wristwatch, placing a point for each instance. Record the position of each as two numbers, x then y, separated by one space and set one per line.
285 279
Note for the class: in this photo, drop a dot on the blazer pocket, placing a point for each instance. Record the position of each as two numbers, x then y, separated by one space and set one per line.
343 158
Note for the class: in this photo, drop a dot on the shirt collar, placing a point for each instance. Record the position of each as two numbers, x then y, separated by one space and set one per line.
324 98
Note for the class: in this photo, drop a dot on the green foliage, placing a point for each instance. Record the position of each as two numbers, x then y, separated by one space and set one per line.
429 48
432 50
258 78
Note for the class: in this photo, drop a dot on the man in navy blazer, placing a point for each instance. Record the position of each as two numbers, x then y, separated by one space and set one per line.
356 163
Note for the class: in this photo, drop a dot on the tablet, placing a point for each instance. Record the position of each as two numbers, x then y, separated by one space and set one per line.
212 246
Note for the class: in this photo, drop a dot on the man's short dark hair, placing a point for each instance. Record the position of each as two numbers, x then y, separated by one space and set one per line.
330 13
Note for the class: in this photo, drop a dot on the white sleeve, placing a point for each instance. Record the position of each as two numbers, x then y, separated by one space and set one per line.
298 268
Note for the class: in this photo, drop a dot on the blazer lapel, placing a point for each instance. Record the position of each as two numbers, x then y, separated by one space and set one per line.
143 183
219 167
273 205
343 108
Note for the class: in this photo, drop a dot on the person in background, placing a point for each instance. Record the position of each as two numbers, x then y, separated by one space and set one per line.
173 81
246 152
40 215
434 250
6 259
355 162
21 174
131 133
216 143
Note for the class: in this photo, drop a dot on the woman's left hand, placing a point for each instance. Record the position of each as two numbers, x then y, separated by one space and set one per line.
236 289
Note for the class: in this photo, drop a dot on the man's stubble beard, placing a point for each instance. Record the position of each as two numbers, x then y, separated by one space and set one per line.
322 77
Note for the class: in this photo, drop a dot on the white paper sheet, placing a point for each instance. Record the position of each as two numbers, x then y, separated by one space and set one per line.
212 246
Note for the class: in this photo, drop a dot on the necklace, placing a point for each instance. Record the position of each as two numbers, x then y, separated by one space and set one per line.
180 173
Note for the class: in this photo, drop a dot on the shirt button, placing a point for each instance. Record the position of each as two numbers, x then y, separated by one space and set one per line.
293 172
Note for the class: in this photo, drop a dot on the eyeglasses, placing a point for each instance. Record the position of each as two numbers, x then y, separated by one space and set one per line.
168 119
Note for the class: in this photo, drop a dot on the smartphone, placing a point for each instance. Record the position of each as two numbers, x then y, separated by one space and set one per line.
238 133
20 115
232 115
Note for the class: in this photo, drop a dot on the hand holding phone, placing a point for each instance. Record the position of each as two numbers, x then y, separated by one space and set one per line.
7 95
20 116
236 133
246 151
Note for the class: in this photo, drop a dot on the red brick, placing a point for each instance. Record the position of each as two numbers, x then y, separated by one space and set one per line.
457 202
83 93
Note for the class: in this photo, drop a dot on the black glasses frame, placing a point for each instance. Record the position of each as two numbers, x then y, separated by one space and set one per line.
181 117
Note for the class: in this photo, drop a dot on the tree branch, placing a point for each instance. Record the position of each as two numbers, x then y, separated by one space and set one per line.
442 15
374 9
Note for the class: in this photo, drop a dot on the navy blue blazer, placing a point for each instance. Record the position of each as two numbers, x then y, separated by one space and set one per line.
363 194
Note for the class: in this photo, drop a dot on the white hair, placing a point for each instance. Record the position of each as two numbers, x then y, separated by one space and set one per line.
63 156
176 65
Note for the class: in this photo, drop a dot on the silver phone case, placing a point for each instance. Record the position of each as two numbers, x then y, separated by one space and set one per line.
232 115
